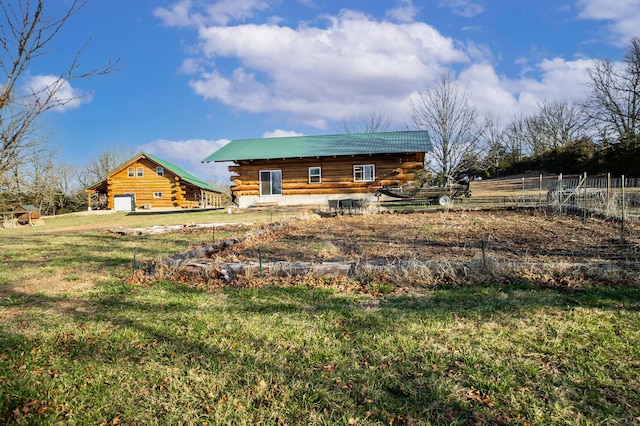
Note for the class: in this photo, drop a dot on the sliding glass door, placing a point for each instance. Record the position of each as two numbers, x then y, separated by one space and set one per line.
271 182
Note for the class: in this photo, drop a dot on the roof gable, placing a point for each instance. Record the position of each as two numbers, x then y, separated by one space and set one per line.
323 146
182 174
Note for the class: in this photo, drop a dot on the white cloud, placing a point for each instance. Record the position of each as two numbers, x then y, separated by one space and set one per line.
188 155
279 133
465 8
486 91
404 12
190 66
63 96
623 16
556 80
319 74
177 16
222 12
606 9
352 63
241 90
559 80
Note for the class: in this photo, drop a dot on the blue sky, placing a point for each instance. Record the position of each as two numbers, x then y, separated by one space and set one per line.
198 73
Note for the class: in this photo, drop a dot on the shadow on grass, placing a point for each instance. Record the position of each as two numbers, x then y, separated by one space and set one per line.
309 378
321 354
95 250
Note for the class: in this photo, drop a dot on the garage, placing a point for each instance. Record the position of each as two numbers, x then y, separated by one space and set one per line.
124 203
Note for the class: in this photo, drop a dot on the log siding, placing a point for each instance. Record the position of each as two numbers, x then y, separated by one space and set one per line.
337 174
155 186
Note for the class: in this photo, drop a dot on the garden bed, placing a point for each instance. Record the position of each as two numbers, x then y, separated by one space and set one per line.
419 249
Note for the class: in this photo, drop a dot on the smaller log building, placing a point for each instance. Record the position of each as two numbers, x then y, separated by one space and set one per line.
147 182
19 214
316 169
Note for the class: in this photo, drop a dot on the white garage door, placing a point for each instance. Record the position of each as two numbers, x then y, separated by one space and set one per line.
123 203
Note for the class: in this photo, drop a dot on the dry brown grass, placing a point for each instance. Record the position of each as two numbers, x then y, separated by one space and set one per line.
442 247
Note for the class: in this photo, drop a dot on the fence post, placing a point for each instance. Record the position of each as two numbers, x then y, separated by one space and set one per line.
560 195
608 192
584 199
540 190
623 209
523 203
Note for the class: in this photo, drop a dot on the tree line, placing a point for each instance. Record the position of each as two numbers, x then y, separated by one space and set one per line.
30 172
601 134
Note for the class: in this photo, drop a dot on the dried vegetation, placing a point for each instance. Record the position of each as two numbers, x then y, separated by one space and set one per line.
396 252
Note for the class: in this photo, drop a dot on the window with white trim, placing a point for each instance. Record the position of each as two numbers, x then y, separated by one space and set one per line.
364 173
315 174
139 171
131 172
157 195
159 171
270 182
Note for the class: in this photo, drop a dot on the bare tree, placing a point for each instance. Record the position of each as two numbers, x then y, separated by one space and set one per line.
105 162
372 121
557 124
516 138
442 108
27 33
495 150
614 103
40 180
42 175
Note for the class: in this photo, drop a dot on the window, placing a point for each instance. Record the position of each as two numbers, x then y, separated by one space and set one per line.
157 195
140 171
315 174
365 173
271 182
132 172
159 171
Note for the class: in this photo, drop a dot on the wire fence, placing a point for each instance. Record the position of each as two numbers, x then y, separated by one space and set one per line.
592 199
612 198
602 194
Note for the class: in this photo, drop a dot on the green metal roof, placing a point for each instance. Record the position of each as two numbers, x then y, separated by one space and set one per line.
323 146
184 175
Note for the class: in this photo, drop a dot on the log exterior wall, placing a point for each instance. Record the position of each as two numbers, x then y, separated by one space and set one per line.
144 187
175 192
337 174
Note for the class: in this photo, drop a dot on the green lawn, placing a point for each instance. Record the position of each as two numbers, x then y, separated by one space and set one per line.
89 348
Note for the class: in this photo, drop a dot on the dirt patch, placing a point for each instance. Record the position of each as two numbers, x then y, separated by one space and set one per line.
451 246
443 236
50 295
57 285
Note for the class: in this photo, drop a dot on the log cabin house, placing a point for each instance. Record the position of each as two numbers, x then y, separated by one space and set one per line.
148 182
316 169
